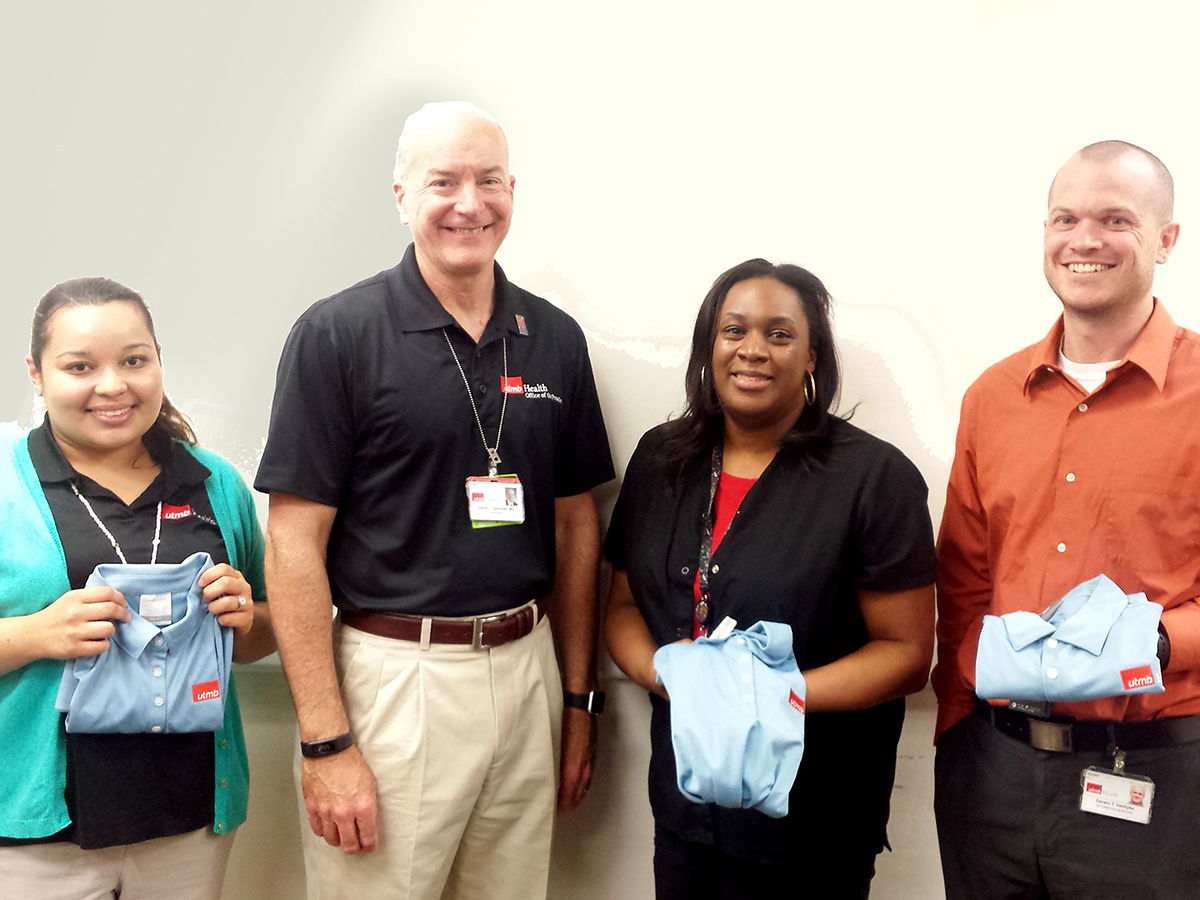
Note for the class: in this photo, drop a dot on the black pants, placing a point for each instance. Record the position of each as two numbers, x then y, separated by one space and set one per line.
687 871
1010 827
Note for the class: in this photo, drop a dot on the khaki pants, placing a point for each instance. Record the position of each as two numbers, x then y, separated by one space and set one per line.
186 867
464 747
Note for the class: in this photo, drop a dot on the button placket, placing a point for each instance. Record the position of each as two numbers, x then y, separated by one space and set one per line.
157 651
746 664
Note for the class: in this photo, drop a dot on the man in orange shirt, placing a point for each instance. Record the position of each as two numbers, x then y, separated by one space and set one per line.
1078 456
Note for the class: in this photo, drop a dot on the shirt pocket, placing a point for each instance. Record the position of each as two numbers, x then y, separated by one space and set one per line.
1152 528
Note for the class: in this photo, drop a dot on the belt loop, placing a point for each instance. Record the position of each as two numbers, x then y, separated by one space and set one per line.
477 634
533 606
426 631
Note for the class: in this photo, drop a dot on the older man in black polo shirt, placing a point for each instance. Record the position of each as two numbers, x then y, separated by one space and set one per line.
434 438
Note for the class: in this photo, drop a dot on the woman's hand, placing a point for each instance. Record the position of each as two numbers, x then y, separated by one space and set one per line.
229 597
79 623
629 641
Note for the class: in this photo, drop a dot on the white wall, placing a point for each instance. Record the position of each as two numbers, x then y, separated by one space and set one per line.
232 160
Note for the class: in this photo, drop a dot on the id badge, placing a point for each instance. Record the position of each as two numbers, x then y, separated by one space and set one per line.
1125 797
495 500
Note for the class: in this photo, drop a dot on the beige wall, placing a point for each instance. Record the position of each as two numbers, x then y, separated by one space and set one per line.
232 160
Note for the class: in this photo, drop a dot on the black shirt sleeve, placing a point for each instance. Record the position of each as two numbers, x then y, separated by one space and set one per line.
310 441
626 511
895 549
582 458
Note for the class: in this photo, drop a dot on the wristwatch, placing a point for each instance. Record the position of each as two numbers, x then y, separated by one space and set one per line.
327 747
592 701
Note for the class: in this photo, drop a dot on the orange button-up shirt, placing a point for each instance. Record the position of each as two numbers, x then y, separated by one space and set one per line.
1052 486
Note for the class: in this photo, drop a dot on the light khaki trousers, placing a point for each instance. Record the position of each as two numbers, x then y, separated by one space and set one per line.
186 867
464 747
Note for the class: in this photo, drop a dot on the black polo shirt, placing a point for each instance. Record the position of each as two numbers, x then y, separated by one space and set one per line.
808 537
126 788
371 416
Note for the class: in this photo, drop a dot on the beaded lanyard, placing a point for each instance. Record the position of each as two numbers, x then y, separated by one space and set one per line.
108 534
706 539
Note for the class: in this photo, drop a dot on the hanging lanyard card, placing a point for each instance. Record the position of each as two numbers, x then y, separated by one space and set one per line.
1126 797
495 500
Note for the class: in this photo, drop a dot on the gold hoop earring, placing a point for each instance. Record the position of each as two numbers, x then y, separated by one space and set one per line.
810 389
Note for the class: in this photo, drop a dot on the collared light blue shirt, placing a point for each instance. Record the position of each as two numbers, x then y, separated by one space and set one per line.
154 679
737 717
1096 642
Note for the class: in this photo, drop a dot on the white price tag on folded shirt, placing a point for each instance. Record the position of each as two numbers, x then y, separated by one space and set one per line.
155 609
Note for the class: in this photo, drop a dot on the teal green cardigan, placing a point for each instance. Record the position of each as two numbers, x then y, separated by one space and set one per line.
33 574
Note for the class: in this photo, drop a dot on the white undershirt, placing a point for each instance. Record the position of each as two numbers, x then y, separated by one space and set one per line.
1089 375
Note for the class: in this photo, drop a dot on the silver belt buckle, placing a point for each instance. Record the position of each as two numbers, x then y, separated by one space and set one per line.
1052 736
477 630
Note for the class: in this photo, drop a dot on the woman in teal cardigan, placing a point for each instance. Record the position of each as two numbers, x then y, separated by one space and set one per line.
146 815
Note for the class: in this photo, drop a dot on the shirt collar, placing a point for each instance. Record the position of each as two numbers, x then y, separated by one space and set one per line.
182 469
421 310
1151 352
47 456
136 634
1083 617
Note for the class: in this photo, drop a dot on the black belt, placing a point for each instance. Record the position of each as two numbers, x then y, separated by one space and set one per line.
1079 736
479 631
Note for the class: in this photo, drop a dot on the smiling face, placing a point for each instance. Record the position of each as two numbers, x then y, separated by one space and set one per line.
457 196
761 354
1105 232
100 376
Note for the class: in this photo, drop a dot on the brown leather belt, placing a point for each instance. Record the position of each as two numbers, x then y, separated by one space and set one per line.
478 631
1082 736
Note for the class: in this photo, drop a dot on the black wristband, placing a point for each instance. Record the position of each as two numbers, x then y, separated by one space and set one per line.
327 747
592 701
1164 648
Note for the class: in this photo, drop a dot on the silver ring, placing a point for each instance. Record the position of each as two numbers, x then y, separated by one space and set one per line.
241 602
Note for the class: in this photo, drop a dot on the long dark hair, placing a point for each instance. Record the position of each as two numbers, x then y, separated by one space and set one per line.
697 431
171 425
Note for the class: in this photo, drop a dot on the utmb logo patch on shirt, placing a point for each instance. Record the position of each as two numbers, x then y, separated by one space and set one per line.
513 384
206 690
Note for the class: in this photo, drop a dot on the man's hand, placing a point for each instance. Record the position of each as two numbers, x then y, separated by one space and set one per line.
578 757
339 793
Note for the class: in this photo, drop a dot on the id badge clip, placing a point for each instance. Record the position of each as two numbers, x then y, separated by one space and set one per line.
1115 794
495 500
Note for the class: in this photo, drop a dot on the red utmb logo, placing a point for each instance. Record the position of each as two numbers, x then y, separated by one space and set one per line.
206 690
1142 676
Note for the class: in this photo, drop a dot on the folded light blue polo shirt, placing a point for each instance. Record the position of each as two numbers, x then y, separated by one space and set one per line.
737 717
1096 642
159 679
